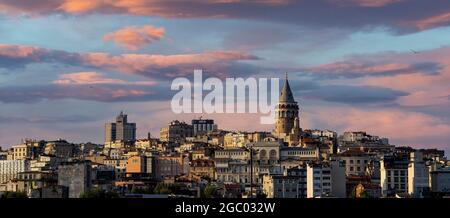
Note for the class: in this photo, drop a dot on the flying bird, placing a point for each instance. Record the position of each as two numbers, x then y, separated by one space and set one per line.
415 52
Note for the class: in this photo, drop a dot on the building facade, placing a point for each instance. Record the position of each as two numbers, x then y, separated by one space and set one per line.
201 127
176 132
292 184
394 175
76 176
9 169
326 179
418 176
121 130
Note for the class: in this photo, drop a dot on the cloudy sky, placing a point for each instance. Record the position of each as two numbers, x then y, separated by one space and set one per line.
69 66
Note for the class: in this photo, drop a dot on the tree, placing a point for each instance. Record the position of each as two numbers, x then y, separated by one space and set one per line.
137 190
99 193
210 192
14 195
162 188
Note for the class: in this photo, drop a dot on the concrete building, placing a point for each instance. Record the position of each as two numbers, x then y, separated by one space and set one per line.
176 132
326 179
202 168
76 176
9 169
292 184
267 153
299 153
362 187
440 181
22 152
29 149
45 163
318 180
418 176
59 148
171 166
356 162
394 174
234 154
136 165
236 171
121 130
118 164
201 127
235 140
28 181
364 142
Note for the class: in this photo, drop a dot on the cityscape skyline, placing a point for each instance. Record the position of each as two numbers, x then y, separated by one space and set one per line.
183 118
203 161
286 95
67 67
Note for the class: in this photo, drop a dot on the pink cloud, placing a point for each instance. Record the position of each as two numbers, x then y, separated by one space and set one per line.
137 63
366 3
425 98
80 6
431 22
361 67
18 51
91 78
425 75
133 38
332 13
134 7
148 64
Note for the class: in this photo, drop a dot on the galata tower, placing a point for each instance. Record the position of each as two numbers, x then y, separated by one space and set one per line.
287 114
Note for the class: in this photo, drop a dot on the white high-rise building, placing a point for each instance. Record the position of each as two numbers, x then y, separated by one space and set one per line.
394 175
326 180
9 169
418 176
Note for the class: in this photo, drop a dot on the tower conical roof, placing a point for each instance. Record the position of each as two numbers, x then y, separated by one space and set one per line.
286 93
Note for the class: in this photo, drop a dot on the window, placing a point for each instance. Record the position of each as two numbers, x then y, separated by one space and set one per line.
351 168
351 161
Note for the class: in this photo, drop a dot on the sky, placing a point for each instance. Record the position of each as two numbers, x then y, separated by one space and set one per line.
380 66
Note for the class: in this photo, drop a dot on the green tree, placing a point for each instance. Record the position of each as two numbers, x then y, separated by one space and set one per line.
99 193
14 195
210 192
137 190
162 188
